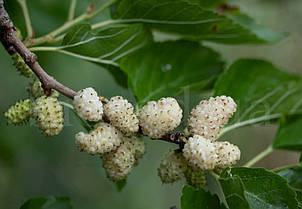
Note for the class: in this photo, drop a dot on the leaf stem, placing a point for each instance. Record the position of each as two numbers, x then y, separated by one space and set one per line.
258 157
249 122
50 38
66 104
60 50
29 28
72 8
277 170
104 23
216 176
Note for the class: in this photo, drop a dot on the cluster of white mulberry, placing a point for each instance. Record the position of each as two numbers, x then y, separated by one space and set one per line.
115 135
47 111
114 139
201 152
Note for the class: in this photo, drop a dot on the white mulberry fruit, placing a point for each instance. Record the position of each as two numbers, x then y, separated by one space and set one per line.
172 167
228 154
49 115
18 113
158 118
207 118
36 90
87 104
195 177
103 138
121 114
200 153
119 163
22 66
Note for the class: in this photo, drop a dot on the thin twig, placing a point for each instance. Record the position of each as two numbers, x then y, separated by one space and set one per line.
50 38
260 156
72 8
29 28
13 45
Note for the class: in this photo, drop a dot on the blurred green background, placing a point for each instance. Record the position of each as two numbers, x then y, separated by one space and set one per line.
33 165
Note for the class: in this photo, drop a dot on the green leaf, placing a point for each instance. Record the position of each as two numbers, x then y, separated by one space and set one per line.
289 135
78 33
294 178
256 188
120 184
105 47
193 198
208 3
191 21
164 69
261 91
52 202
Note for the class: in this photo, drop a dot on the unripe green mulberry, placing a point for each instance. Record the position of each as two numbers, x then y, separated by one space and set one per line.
195 177
49 115
36 90
22 66
172 167
139 147
18 113
119 163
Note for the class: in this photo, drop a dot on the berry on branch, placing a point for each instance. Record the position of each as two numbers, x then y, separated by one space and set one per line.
120 113
103 138
49 115
22 66
200 153
209 116
195 177
87 104
139 147
36 90
119 163
228 154
18 113
172 167
158 118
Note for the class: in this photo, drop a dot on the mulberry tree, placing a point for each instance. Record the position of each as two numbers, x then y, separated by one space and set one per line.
247 92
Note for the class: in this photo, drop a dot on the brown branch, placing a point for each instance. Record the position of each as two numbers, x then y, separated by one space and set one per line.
13 45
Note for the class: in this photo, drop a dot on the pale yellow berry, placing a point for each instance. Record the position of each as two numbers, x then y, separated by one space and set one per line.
49 115
119 163
157 118
121 114
228 154
103 138
200 153
88 105
207 118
